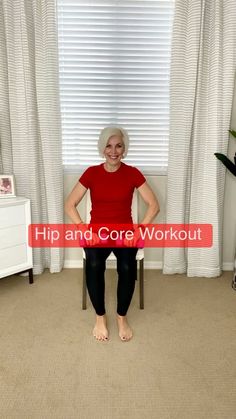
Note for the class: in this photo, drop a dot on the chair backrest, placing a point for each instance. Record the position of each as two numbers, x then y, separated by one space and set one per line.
134 207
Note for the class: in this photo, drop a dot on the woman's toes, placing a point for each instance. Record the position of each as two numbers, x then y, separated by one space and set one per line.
100 335
125 331
100 331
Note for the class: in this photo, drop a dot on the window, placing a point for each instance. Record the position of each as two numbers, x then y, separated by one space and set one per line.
114 59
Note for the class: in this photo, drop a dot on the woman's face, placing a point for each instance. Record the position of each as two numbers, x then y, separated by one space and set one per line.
114 150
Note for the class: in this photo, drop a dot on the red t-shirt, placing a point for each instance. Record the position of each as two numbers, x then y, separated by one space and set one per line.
111 192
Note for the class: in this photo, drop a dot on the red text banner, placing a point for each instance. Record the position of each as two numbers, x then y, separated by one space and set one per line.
120 235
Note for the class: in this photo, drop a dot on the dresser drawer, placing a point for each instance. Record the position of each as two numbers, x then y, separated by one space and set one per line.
12 236
13 256
12 215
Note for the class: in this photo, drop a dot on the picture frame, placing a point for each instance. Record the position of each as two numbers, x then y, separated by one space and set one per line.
7 186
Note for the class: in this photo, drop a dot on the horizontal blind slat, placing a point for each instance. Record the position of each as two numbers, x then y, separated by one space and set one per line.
114 60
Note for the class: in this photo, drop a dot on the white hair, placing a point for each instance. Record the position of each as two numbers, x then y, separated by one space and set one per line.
107 133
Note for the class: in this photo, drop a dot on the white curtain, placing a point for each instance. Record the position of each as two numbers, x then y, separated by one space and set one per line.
202 80
30 128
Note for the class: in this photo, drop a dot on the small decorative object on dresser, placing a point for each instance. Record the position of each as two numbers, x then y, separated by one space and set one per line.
15 252
7 186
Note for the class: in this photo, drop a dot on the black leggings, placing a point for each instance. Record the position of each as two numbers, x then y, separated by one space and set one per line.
95 271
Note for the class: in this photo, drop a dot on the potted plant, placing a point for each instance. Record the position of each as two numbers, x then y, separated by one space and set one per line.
232 168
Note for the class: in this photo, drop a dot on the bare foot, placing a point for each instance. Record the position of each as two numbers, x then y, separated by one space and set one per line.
125 332
100 331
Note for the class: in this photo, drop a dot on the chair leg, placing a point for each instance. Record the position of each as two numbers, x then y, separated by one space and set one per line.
141 284
84 291
31 276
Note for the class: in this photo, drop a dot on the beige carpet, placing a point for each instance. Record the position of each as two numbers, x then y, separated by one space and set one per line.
180 364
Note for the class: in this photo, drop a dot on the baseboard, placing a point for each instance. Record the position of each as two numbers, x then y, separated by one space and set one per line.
228 266
75 263
72 264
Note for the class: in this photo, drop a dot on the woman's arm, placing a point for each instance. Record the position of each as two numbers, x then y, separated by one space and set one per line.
153 208
71 203
73 200
150 199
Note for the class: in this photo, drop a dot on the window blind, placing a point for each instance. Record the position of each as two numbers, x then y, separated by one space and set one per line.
114 63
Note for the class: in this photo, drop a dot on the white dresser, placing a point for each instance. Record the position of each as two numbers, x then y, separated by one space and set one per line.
15 253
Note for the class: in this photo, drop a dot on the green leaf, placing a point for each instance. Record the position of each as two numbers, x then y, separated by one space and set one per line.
232 132
227 162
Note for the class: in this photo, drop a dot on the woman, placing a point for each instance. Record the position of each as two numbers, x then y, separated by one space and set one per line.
111 187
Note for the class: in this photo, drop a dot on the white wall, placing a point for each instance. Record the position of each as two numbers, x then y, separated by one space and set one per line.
153 257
